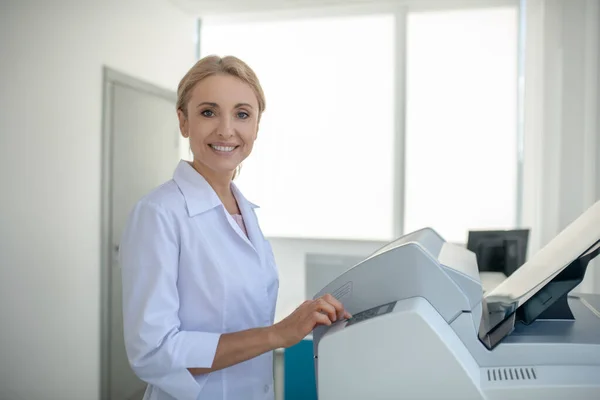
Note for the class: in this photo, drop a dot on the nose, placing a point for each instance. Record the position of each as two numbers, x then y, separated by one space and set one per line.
226 128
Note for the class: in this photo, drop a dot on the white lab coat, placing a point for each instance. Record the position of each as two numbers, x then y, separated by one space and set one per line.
190 274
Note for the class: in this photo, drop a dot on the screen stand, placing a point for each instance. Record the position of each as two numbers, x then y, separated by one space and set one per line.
551 302
558 310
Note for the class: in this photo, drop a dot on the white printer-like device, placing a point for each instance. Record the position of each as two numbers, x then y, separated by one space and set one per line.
423 328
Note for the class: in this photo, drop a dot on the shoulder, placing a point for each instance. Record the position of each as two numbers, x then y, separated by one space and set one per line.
162 209
155 217
166 198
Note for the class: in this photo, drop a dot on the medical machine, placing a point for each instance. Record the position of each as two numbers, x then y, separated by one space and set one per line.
320 269
422 328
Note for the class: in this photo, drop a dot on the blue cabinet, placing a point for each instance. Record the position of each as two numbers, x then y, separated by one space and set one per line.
299 372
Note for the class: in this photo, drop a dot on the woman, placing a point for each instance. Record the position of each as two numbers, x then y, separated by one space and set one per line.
199 279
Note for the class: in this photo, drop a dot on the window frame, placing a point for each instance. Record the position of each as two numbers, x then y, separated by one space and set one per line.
400 10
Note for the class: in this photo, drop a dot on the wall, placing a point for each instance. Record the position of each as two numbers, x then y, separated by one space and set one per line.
597 262
579 132
290 254
50 157
560 118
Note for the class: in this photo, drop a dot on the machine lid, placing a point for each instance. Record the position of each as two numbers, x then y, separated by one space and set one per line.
540 287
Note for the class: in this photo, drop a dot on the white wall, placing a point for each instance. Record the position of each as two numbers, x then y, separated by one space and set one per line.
579 122
597 158
290 256
560 118
52 53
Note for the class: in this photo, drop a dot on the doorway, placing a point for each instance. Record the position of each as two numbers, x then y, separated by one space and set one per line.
141 148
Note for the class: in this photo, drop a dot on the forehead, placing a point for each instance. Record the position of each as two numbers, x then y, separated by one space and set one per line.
224 90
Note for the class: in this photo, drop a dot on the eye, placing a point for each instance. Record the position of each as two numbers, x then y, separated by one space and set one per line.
208 113
243 115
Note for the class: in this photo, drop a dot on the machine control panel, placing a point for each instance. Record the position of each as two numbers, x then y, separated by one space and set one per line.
371 313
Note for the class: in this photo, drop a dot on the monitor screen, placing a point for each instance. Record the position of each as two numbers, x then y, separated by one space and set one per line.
499 250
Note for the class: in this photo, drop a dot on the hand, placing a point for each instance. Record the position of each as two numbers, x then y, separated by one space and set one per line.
322 311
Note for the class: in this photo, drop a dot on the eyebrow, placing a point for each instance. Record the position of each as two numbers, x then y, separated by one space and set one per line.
206 103
215 105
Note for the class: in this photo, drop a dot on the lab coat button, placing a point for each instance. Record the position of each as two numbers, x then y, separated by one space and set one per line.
266 388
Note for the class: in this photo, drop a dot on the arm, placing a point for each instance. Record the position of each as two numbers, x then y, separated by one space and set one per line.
159 352
237 347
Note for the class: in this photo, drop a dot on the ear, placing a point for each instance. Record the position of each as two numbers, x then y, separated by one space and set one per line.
183 124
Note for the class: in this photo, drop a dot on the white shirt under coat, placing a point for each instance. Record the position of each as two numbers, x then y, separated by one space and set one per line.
189 275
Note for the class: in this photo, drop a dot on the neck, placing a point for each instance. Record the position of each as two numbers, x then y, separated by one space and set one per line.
220 182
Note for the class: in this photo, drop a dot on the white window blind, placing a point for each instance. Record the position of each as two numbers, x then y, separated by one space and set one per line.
461 121
323 163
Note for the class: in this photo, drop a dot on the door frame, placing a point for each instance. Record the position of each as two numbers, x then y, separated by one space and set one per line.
111 78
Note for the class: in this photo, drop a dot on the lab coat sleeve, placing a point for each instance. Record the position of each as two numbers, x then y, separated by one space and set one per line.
158 351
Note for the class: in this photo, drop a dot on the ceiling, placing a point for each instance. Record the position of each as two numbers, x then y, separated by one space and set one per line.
203 8
221 7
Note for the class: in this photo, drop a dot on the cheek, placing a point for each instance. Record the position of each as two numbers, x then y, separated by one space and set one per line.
248 134
200 131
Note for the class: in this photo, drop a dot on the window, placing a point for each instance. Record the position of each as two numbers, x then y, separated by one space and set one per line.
461 121
323 164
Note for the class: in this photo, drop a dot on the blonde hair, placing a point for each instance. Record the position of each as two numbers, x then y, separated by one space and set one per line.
213 65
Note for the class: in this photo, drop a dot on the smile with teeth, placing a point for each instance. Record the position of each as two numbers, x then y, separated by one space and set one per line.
225 149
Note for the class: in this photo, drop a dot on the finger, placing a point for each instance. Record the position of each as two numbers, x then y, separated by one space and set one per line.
347 315
321 319
339 307
304 304
327 308
334 302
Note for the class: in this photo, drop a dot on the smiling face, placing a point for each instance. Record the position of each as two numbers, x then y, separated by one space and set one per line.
221 123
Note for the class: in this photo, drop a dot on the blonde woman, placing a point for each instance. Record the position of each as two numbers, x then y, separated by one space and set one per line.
199 279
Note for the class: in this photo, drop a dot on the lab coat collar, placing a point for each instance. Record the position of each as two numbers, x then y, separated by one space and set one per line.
198 194
241 198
